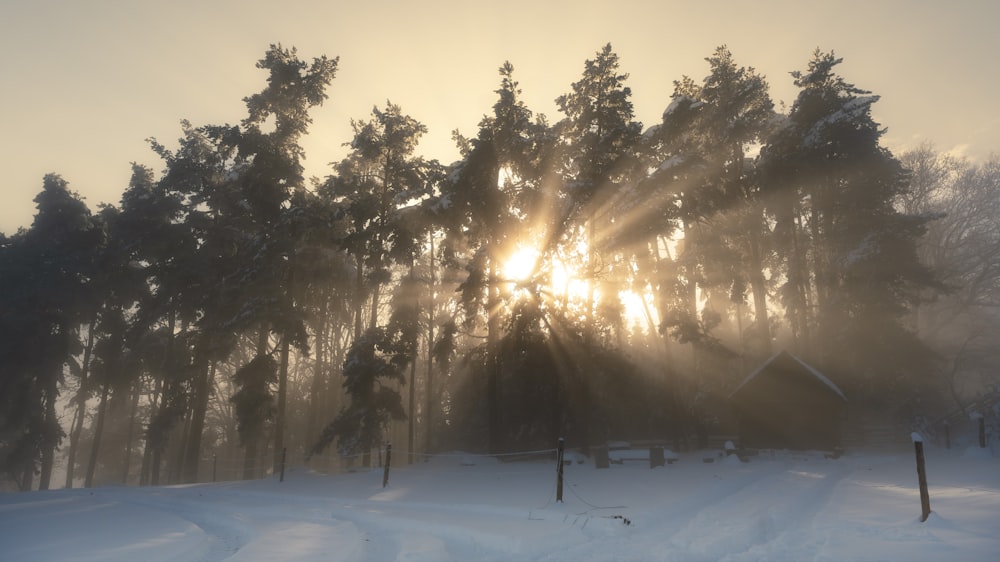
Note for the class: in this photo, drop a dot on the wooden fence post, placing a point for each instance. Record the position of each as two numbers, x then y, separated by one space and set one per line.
215 466
925 500
559 469
388 458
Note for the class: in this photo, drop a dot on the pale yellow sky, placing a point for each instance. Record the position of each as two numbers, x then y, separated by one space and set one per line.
83 83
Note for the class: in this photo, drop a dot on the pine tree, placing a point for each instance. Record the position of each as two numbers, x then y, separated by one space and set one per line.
373 361
863 270
706 134
599 141
490 191
371 186
47 269
599 135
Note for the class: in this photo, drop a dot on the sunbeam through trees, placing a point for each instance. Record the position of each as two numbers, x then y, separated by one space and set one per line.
585 276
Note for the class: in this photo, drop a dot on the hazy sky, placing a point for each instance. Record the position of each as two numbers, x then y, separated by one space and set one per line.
83 83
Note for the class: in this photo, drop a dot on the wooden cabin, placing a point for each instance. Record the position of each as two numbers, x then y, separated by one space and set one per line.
787 404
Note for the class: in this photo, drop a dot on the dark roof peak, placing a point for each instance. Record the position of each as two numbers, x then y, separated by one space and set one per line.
785 356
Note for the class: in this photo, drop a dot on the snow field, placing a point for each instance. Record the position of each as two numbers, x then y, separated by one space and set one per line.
789 506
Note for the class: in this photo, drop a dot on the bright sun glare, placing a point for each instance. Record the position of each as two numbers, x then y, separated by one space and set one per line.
567 286
521 264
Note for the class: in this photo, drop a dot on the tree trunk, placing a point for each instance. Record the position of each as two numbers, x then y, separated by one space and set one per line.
823 289
157 462
192 453
492 357
802 290
376 294
410 434
250 459
429 394
359 289
317 389
25 483
81 399
163 390
49 443
279 421
133 411
252 441
147 450
758 286
95 448
280 415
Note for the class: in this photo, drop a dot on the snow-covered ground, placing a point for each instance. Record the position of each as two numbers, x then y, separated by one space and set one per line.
781 507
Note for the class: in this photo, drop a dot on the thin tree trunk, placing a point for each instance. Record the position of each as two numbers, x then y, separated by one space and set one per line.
410 435
492 356
157 462
163 390
250 459
251 444
177 469
147 450
802 290
317 389
280 415
376 294
429 395
279 422
758 286
202 386
359 289
95 448
127 461
27 477
49 444
81 400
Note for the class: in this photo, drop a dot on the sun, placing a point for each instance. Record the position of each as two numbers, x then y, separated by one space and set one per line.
520 264
565 286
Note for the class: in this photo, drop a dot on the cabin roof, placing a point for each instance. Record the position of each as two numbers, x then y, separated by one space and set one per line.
805 367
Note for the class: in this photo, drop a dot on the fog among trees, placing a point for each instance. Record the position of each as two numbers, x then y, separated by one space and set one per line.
581 275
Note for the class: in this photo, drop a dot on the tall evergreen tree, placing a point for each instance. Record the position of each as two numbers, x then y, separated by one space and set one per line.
705 137
272 177
49 271
483 208
599 140
864 272
597 152
379 178
377 190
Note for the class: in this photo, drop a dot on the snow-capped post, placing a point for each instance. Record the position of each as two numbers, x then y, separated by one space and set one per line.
215 466
284 455
925 499
981 420
385 471
559 469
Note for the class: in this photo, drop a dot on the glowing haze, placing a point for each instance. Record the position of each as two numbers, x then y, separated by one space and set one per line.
85 83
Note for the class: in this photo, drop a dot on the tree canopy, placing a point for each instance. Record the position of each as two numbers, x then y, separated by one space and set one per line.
584 277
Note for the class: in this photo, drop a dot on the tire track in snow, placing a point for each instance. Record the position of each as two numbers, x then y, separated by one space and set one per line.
225 533
670 518
453 533
762 520
239 529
